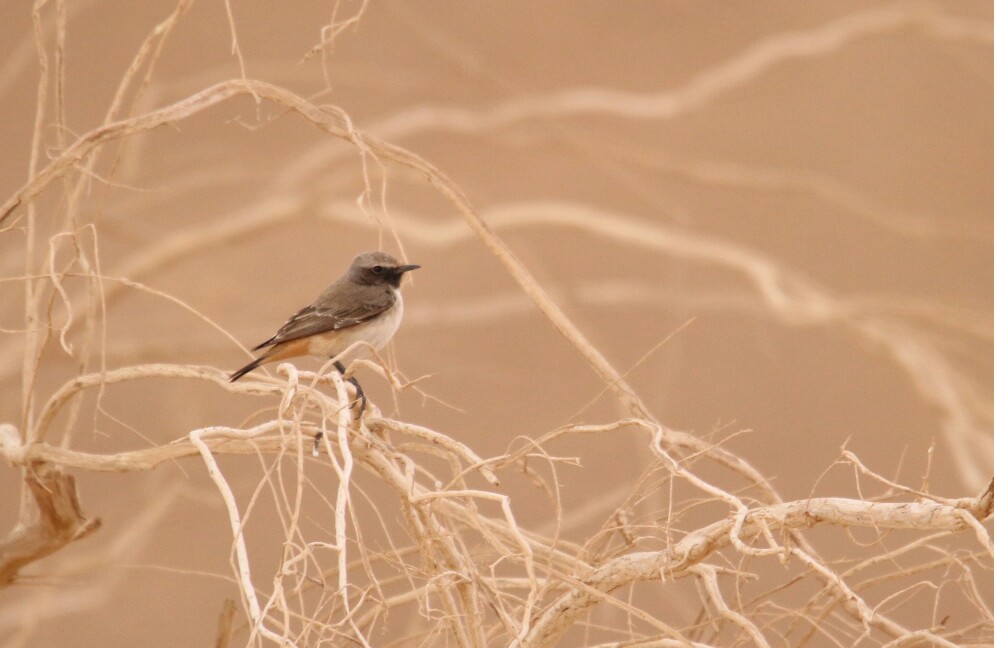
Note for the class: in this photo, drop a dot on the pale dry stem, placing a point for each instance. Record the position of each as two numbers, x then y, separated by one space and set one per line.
477 578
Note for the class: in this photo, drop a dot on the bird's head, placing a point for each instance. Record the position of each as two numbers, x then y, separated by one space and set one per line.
378 268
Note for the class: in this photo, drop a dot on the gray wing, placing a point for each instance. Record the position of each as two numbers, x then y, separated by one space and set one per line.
329 313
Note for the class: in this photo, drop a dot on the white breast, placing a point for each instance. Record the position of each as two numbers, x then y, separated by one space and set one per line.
376 332
380 329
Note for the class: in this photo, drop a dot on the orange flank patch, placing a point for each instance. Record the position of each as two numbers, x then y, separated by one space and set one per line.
290 349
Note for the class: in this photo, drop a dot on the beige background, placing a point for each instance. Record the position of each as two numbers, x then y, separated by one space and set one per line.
639 158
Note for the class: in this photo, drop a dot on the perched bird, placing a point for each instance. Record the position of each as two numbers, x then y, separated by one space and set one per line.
363 305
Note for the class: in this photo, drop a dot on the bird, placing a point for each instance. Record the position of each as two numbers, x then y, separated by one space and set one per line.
363 305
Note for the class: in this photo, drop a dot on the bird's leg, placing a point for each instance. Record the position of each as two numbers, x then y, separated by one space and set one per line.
360 395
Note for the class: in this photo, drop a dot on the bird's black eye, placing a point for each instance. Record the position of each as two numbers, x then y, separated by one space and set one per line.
377 269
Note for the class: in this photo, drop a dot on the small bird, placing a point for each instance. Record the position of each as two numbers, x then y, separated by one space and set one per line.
363 305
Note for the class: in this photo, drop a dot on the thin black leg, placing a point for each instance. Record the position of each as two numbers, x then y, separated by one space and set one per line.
360 395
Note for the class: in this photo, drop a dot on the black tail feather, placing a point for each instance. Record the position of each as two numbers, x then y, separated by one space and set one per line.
247 368
263 345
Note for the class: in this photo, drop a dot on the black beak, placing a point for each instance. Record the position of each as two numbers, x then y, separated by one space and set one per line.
406 268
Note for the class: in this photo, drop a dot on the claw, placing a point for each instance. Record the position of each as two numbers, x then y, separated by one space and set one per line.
360 395
360 398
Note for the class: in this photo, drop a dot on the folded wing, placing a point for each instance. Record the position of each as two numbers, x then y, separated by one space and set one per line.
312 320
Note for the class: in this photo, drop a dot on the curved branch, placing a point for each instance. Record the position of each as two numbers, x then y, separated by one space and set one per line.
696 546
335 122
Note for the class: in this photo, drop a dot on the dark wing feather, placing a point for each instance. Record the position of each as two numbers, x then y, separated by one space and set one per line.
312 319
302 314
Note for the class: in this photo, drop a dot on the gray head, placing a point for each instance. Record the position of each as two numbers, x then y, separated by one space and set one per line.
377 268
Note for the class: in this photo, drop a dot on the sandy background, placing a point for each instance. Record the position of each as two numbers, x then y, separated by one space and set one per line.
650 162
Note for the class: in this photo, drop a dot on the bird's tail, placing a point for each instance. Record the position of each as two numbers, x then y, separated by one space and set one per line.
247 368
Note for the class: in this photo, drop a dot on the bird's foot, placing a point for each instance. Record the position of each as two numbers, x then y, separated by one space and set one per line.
360 397
359 394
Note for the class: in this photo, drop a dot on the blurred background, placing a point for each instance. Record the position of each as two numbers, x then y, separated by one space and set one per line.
772 217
